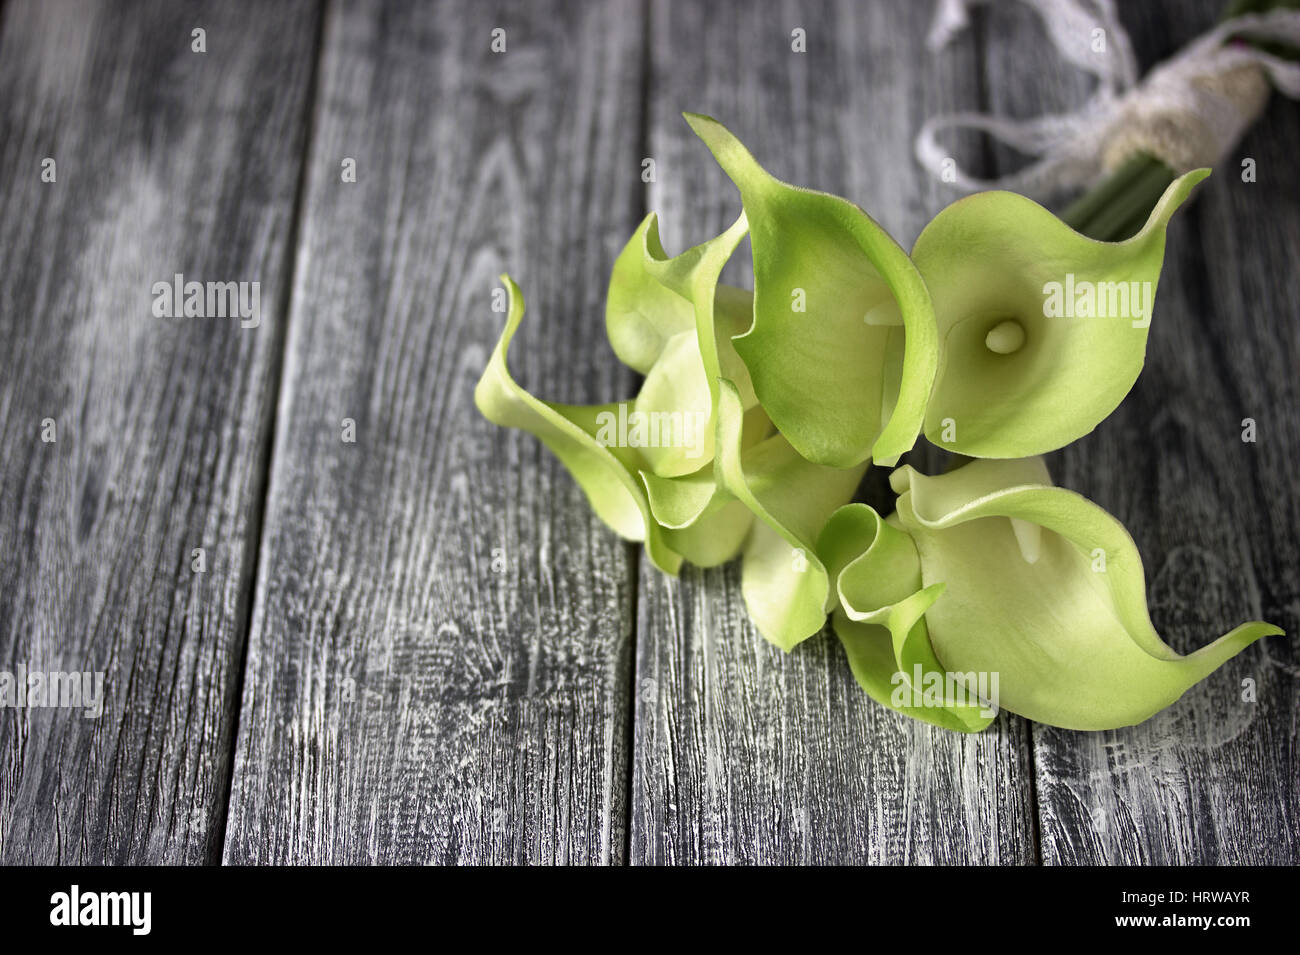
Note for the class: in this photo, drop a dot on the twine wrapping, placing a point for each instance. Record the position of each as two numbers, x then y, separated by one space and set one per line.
1188 112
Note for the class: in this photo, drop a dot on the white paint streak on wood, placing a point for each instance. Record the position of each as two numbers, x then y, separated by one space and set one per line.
491 715
167 161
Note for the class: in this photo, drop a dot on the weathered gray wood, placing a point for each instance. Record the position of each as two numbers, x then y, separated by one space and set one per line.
1213 779
404 703
167 161
745 754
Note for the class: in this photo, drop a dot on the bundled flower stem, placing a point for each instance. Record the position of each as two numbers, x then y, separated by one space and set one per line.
1117 206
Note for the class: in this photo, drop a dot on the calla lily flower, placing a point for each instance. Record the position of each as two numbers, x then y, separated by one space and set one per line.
1042 331
1005 334
660 318
785 585
879 616
669 319
607 474
843 347
1039 585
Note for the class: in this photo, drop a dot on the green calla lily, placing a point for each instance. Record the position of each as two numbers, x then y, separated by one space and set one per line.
700 519
1042 331
1040 586
842 350
607 474
672 320
669 319
784 584
1005 334
880 620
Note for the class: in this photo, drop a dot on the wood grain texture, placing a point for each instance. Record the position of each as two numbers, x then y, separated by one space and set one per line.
1213 779
449 659
404 701
745 754
167 161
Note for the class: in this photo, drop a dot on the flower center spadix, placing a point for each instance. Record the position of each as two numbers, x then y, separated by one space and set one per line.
1005 337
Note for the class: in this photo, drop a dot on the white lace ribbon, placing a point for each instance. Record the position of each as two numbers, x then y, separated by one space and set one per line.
1189 111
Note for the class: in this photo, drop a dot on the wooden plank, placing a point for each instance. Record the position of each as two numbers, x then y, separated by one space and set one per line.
166 161
404 703
1213 779
744 754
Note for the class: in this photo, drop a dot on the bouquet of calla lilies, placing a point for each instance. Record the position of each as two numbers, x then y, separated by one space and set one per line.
1004 335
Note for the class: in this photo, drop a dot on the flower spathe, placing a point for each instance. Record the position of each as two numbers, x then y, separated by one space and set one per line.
607 475
879 618
1042 331
842 351
658 311
1033 582
786 588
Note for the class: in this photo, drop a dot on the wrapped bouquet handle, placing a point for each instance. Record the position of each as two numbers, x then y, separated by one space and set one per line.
1188 112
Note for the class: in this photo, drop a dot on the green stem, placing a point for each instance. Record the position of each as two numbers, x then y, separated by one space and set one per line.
1144 181
1080 212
